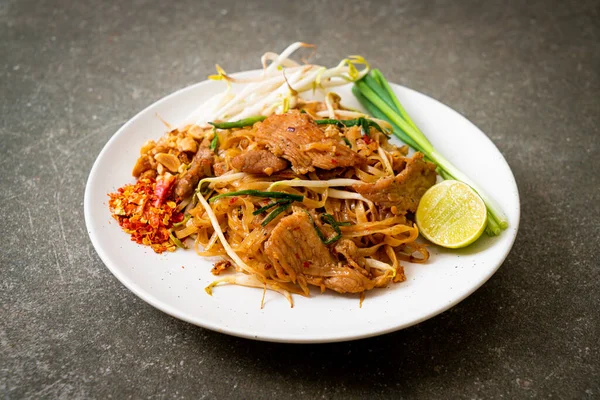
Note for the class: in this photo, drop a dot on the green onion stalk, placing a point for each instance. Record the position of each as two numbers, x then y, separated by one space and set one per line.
376 95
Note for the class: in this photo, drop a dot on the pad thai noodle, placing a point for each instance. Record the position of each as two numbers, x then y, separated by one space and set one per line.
289 192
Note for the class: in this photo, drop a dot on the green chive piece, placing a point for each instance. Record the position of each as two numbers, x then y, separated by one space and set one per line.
328 219
364 127
364 123
269 206
176 241
275 213
215 141
238 124
182 223
257 193
329 121
319 233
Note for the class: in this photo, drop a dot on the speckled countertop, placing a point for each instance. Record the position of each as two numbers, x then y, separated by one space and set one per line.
71 73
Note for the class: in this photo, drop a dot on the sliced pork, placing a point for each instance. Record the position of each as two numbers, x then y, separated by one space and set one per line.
403 190
258 162
298 139
199 168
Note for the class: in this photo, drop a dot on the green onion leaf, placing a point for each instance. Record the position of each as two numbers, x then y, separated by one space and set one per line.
364 127
364 123
257 193
176 241
215 141
238 124
276 212
182 223
269 206
328 219
329 121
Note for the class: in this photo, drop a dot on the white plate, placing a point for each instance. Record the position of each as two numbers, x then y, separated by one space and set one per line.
162 280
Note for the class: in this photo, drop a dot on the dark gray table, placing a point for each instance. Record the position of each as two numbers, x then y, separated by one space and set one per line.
71 73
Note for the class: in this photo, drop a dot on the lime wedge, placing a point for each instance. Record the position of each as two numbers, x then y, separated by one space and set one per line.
451 214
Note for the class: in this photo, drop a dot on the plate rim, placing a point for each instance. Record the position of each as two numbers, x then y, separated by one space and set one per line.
173 312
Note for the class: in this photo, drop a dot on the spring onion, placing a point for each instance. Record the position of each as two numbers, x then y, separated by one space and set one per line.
364 123
176 241
257 193
328 219
215 141
183 222
242 123
269 206
273 214
377 96
374 111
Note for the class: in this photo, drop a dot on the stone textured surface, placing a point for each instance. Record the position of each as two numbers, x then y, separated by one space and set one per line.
527 73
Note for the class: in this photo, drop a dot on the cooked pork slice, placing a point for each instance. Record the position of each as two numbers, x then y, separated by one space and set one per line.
296 137
199 168
347 280
403 190
258 162
351 281
220 168
294 247
296 251
349 250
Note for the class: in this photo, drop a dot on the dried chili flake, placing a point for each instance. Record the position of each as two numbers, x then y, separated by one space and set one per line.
163 189
144 212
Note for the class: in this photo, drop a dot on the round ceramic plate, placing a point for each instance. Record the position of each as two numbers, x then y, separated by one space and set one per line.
175 282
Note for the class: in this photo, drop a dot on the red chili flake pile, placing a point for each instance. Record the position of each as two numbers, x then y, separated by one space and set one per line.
143 212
